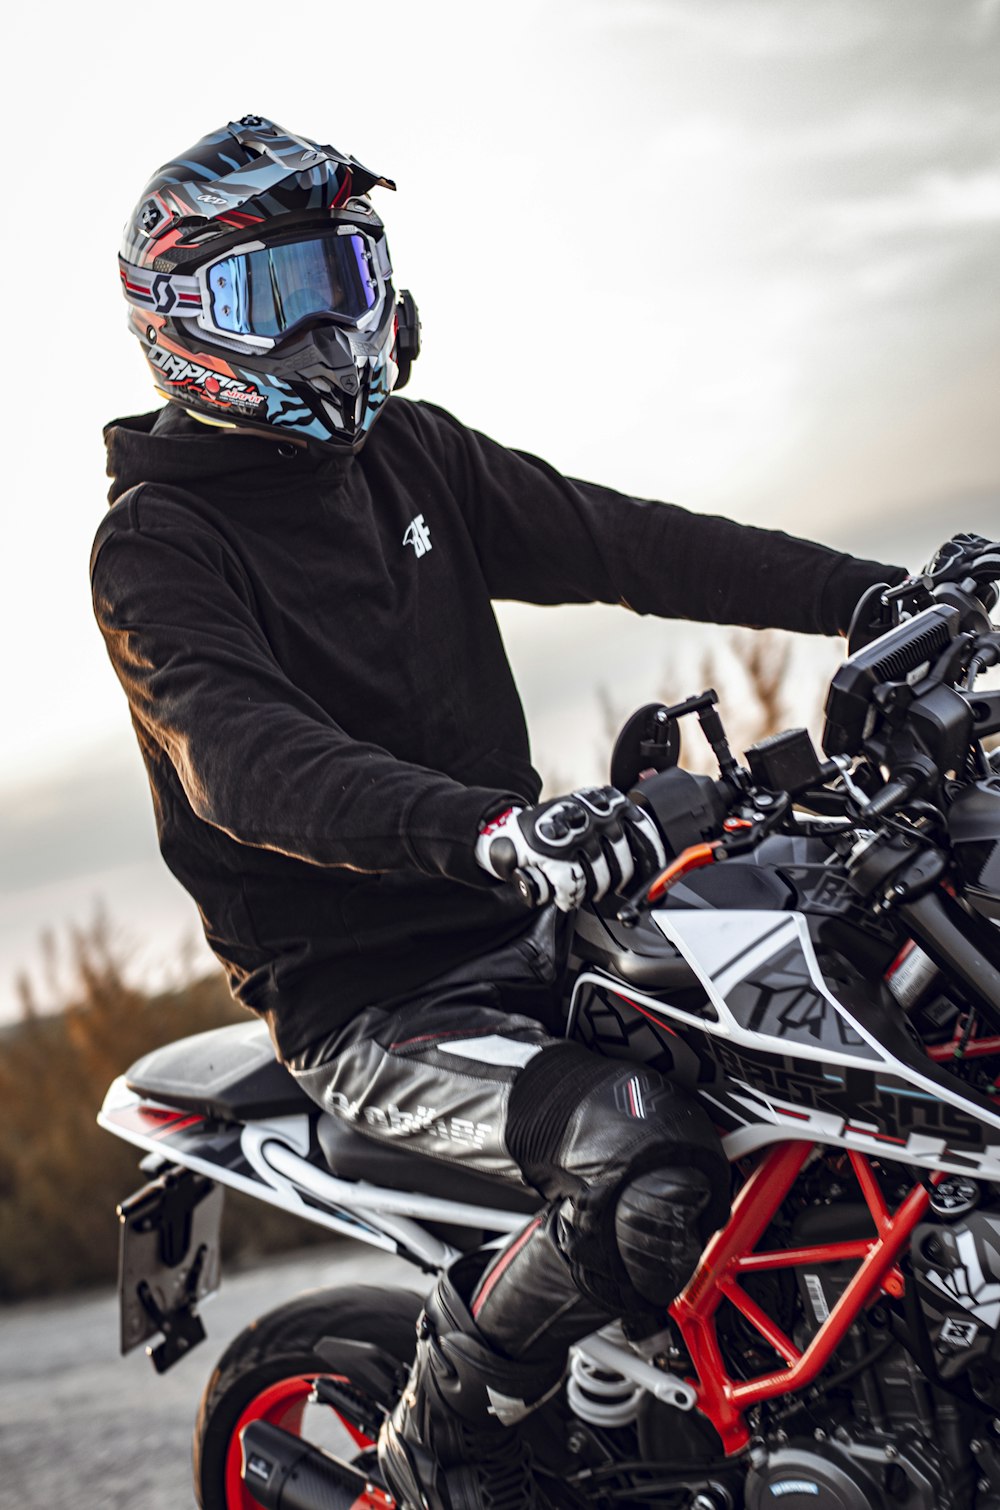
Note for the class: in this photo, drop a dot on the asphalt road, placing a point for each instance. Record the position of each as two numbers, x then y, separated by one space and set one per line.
84 1429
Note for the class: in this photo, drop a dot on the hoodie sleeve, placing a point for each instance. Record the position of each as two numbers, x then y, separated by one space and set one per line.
545 538
256 756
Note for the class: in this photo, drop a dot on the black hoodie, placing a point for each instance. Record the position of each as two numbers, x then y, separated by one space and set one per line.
320 690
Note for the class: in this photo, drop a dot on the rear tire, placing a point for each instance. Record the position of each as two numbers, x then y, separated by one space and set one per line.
266 1372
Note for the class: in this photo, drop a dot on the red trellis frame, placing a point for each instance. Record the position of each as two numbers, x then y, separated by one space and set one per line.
730 1254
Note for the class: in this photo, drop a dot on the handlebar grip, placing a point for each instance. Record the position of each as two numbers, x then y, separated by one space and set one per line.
503 858
891 796
527 882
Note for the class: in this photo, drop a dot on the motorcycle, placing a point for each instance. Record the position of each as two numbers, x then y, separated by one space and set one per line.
820 963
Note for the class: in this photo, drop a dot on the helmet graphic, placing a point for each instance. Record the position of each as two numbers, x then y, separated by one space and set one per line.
260 287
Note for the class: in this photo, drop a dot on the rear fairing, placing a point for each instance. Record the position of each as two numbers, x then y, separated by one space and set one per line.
230 1153
779 1049
278 1160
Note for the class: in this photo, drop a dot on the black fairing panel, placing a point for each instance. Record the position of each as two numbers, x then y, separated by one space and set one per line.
780 1002
974 829
643 957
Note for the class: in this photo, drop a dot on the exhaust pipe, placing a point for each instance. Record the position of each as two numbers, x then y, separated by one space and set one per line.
283 1472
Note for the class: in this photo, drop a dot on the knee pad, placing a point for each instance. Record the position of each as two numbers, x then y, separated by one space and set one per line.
625 1150
658 1230
634 1248
576 1121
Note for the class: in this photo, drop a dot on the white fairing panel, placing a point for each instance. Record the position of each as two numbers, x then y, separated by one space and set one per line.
767 995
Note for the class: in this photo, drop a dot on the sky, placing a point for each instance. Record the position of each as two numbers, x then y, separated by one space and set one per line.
738 254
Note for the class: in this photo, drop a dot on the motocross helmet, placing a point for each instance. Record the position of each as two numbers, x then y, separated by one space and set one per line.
260 287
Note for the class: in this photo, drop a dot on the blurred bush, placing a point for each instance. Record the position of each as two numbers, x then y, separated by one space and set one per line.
767 681
61 1176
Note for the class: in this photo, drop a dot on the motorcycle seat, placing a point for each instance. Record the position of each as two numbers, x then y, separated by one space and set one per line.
353 1156
229 1073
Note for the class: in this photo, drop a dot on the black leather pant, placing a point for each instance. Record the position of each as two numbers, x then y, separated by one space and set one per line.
630 1166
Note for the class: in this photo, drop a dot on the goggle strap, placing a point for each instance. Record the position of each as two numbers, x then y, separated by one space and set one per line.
160 293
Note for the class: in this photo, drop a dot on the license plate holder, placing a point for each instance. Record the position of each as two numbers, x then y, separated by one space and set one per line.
168 1261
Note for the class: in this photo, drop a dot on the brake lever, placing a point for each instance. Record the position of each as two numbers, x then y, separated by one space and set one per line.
650 892
741 836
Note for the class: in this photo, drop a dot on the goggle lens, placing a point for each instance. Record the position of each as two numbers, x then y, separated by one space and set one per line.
267 291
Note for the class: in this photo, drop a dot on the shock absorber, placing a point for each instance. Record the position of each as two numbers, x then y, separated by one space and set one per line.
599 1395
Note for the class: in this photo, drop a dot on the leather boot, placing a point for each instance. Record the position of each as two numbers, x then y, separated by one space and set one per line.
452 1442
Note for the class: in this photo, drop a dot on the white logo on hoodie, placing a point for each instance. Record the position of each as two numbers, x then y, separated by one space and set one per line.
418 535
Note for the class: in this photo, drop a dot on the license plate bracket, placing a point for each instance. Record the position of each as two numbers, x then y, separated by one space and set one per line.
168 1261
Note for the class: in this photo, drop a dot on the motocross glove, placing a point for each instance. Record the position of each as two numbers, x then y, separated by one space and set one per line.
956 555
574 848
966 556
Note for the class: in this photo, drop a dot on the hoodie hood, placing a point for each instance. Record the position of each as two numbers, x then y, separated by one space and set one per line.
170 447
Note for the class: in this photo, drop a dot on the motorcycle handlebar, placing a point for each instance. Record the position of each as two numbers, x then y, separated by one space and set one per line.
891 796
524 879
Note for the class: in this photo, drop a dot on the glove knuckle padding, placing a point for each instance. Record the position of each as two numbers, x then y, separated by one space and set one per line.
585 844
558 828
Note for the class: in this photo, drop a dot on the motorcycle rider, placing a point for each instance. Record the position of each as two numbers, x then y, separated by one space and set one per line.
298 606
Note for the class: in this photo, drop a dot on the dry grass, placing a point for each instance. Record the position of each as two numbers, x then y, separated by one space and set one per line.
60 1174
760 692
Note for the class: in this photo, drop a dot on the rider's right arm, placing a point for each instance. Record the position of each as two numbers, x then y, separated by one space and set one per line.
257 757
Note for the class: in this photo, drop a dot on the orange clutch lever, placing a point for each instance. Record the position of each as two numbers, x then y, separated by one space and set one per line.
692 858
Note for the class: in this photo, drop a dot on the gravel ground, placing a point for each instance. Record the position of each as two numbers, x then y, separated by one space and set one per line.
82 1428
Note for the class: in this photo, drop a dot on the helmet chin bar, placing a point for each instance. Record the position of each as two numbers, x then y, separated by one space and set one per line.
325 389
260 431
204 419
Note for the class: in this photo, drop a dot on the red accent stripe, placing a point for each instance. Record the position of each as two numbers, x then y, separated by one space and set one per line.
907 949
155 1121
502 1263
239 219
650 1016
866 1132
500 818
162 244
451 1033
344 192
631 1098
179 1126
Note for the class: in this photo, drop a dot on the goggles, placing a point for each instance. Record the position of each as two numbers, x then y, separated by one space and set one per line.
257 293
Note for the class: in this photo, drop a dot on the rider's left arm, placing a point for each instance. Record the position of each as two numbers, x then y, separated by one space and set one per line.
546 538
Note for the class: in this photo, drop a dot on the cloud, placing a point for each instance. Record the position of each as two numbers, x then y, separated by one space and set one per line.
94 813
772 29
935 201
